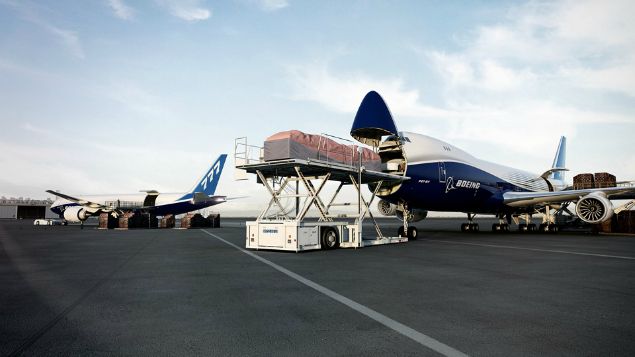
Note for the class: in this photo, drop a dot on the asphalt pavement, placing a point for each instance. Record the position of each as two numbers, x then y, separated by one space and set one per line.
71 291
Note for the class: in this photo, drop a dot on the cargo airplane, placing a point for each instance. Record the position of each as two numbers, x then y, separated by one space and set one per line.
79 208
437 176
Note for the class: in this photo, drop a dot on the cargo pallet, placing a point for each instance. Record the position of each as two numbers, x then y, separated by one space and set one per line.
279 227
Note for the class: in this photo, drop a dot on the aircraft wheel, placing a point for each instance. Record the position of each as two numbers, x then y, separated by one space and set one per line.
553 228
465 227
501 228
543 228
473 227
401 232
330 240
531 227
522 227
412 233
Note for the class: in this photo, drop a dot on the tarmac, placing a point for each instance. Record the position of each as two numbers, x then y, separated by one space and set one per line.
71 291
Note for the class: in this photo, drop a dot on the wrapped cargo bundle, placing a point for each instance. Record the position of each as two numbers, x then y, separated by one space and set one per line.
624 222
128 220
107 221
137 220
194 221
214 220
604 179
294 144
167 221
583 181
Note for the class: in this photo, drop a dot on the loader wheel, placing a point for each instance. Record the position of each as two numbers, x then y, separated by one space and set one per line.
330 240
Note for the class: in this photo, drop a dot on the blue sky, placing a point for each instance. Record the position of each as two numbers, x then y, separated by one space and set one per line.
118 96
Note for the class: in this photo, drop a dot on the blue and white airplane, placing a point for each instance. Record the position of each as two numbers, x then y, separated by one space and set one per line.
441 177
79 208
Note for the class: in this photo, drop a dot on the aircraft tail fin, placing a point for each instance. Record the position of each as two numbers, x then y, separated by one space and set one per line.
207 184
559 161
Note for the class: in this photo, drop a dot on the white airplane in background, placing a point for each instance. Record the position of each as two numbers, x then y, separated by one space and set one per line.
79 208
441 177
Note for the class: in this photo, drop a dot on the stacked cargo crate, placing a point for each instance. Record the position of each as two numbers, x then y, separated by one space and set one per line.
583 181
604 179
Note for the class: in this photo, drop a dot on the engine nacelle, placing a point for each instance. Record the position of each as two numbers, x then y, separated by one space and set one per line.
76 214
386 208
415 215
594 208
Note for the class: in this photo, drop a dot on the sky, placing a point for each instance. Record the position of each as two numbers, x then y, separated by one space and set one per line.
115 96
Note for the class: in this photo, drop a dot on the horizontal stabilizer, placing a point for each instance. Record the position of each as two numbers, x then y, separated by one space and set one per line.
547 173
200 198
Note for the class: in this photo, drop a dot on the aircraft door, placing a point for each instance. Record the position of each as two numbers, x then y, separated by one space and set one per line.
442 173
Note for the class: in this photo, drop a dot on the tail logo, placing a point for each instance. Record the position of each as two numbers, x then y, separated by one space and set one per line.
210 175
449 185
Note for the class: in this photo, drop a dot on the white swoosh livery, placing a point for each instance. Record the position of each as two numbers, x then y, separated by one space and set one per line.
442 177
79 208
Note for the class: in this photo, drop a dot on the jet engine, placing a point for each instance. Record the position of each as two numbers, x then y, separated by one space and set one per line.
594 208
76 214
415 215
386 208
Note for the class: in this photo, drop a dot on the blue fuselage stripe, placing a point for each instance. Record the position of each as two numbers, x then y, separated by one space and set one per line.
178 207
454 187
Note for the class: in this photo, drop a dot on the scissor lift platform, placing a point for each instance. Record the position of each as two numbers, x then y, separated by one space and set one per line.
293 232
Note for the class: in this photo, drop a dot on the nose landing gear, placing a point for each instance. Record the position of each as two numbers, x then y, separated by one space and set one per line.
407 231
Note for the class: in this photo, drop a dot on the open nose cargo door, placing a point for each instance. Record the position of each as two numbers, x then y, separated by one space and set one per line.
373 122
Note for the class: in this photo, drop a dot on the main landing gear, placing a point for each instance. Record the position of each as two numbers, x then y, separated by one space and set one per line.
548 224
407 231
502 225
471 226
548 228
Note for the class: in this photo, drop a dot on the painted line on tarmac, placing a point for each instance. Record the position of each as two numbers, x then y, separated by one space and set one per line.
533 249
417 336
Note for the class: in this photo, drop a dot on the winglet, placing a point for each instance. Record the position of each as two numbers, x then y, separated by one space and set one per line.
560 159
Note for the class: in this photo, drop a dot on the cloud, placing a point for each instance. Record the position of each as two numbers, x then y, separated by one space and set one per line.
188 10
121 10
137 99
272 5
68 38
495 118
587 44
343 93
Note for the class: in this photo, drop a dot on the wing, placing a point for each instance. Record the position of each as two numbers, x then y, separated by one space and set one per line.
93 206
520 199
